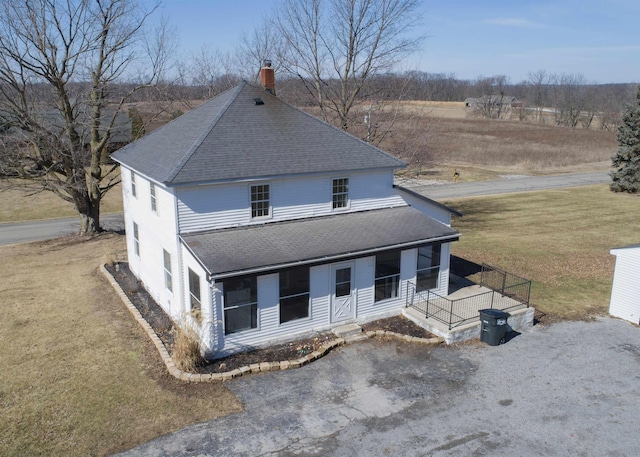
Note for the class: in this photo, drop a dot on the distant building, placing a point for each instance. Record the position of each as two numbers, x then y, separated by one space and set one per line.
493 101
625 291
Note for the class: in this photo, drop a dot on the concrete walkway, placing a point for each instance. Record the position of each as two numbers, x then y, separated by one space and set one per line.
566 389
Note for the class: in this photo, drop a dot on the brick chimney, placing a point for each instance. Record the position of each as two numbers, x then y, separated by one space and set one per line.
267 77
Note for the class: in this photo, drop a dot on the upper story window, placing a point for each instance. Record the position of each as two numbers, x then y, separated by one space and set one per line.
240 304
133 184
154 203
428 268
260 204
340 193
294 294
387 275
136 239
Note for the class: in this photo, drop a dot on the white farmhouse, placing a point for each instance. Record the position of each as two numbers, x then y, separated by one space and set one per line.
257 223
625 292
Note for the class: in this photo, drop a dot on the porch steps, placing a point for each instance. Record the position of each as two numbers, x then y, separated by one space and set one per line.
346 331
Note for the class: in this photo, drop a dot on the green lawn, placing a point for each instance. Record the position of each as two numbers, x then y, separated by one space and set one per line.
560 239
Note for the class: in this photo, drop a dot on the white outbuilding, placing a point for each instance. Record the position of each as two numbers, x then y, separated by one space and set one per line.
625 292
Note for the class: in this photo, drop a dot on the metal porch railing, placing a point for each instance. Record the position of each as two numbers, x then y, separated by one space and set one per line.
507 291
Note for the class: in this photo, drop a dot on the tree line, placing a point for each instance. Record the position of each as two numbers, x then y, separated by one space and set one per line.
557 98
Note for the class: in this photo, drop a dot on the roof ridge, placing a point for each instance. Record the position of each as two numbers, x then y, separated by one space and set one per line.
203 135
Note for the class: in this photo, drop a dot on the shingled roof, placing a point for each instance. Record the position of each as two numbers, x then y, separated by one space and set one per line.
247 133
255 248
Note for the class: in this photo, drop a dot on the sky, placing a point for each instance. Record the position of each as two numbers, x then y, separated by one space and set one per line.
598 39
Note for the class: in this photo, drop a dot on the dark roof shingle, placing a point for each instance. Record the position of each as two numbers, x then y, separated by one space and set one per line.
227 252
230 137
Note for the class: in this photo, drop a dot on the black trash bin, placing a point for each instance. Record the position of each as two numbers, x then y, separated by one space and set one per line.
493 326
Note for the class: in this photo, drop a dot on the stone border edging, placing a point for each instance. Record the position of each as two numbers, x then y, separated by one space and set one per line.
254 367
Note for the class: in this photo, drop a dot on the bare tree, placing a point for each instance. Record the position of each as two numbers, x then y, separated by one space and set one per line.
59 63
213 70
335 47
570 97
264 43
491 92
539 83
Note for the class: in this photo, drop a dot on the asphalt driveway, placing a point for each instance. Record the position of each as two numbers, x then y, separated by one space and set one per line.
566 389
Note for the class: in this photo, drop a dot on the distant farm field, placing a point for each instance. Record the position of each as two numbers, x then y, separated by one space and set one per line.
437 137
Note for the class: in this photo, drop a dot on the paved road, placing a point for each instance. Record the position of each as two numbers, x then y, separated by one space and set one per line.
501 186
566 389
34 231
24 232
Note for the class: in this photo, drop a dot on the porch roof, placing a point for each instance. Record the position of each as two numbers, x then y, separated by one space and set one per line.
271 246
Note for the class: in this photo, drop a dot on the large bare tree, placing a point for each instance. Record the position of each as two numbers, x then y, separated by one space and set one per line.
335 47
60 62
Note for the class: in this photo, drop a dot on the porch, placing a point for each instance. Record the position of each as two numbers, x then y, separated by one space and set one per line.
456 316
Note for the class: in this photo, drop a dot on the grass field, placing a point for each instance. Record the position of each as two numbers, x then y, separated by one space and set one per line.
20 205
444 136
79 377
560 239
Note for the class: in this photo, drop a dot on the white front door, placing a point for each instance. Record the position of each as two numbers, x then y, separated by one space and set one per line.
343 297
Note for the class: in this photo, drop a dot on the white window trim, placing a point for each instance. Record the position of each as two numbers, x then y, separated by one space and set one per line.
431 268
231 307
153 198
307 293
347 193
268 216
196 316
398 282
134 193
168 272
136 240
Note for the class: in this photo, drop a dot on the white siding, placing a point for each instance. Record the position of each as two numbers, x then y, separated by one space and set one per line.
228 205
319 291
270 330
207 326
445 265
156 232
625 291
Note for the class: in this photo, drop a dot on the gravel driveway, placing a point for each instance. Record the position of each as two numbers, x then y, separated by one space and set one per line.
567 389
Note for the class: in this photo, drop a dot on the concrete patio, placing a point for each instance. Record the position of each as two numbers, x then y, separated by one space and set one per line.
521 315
